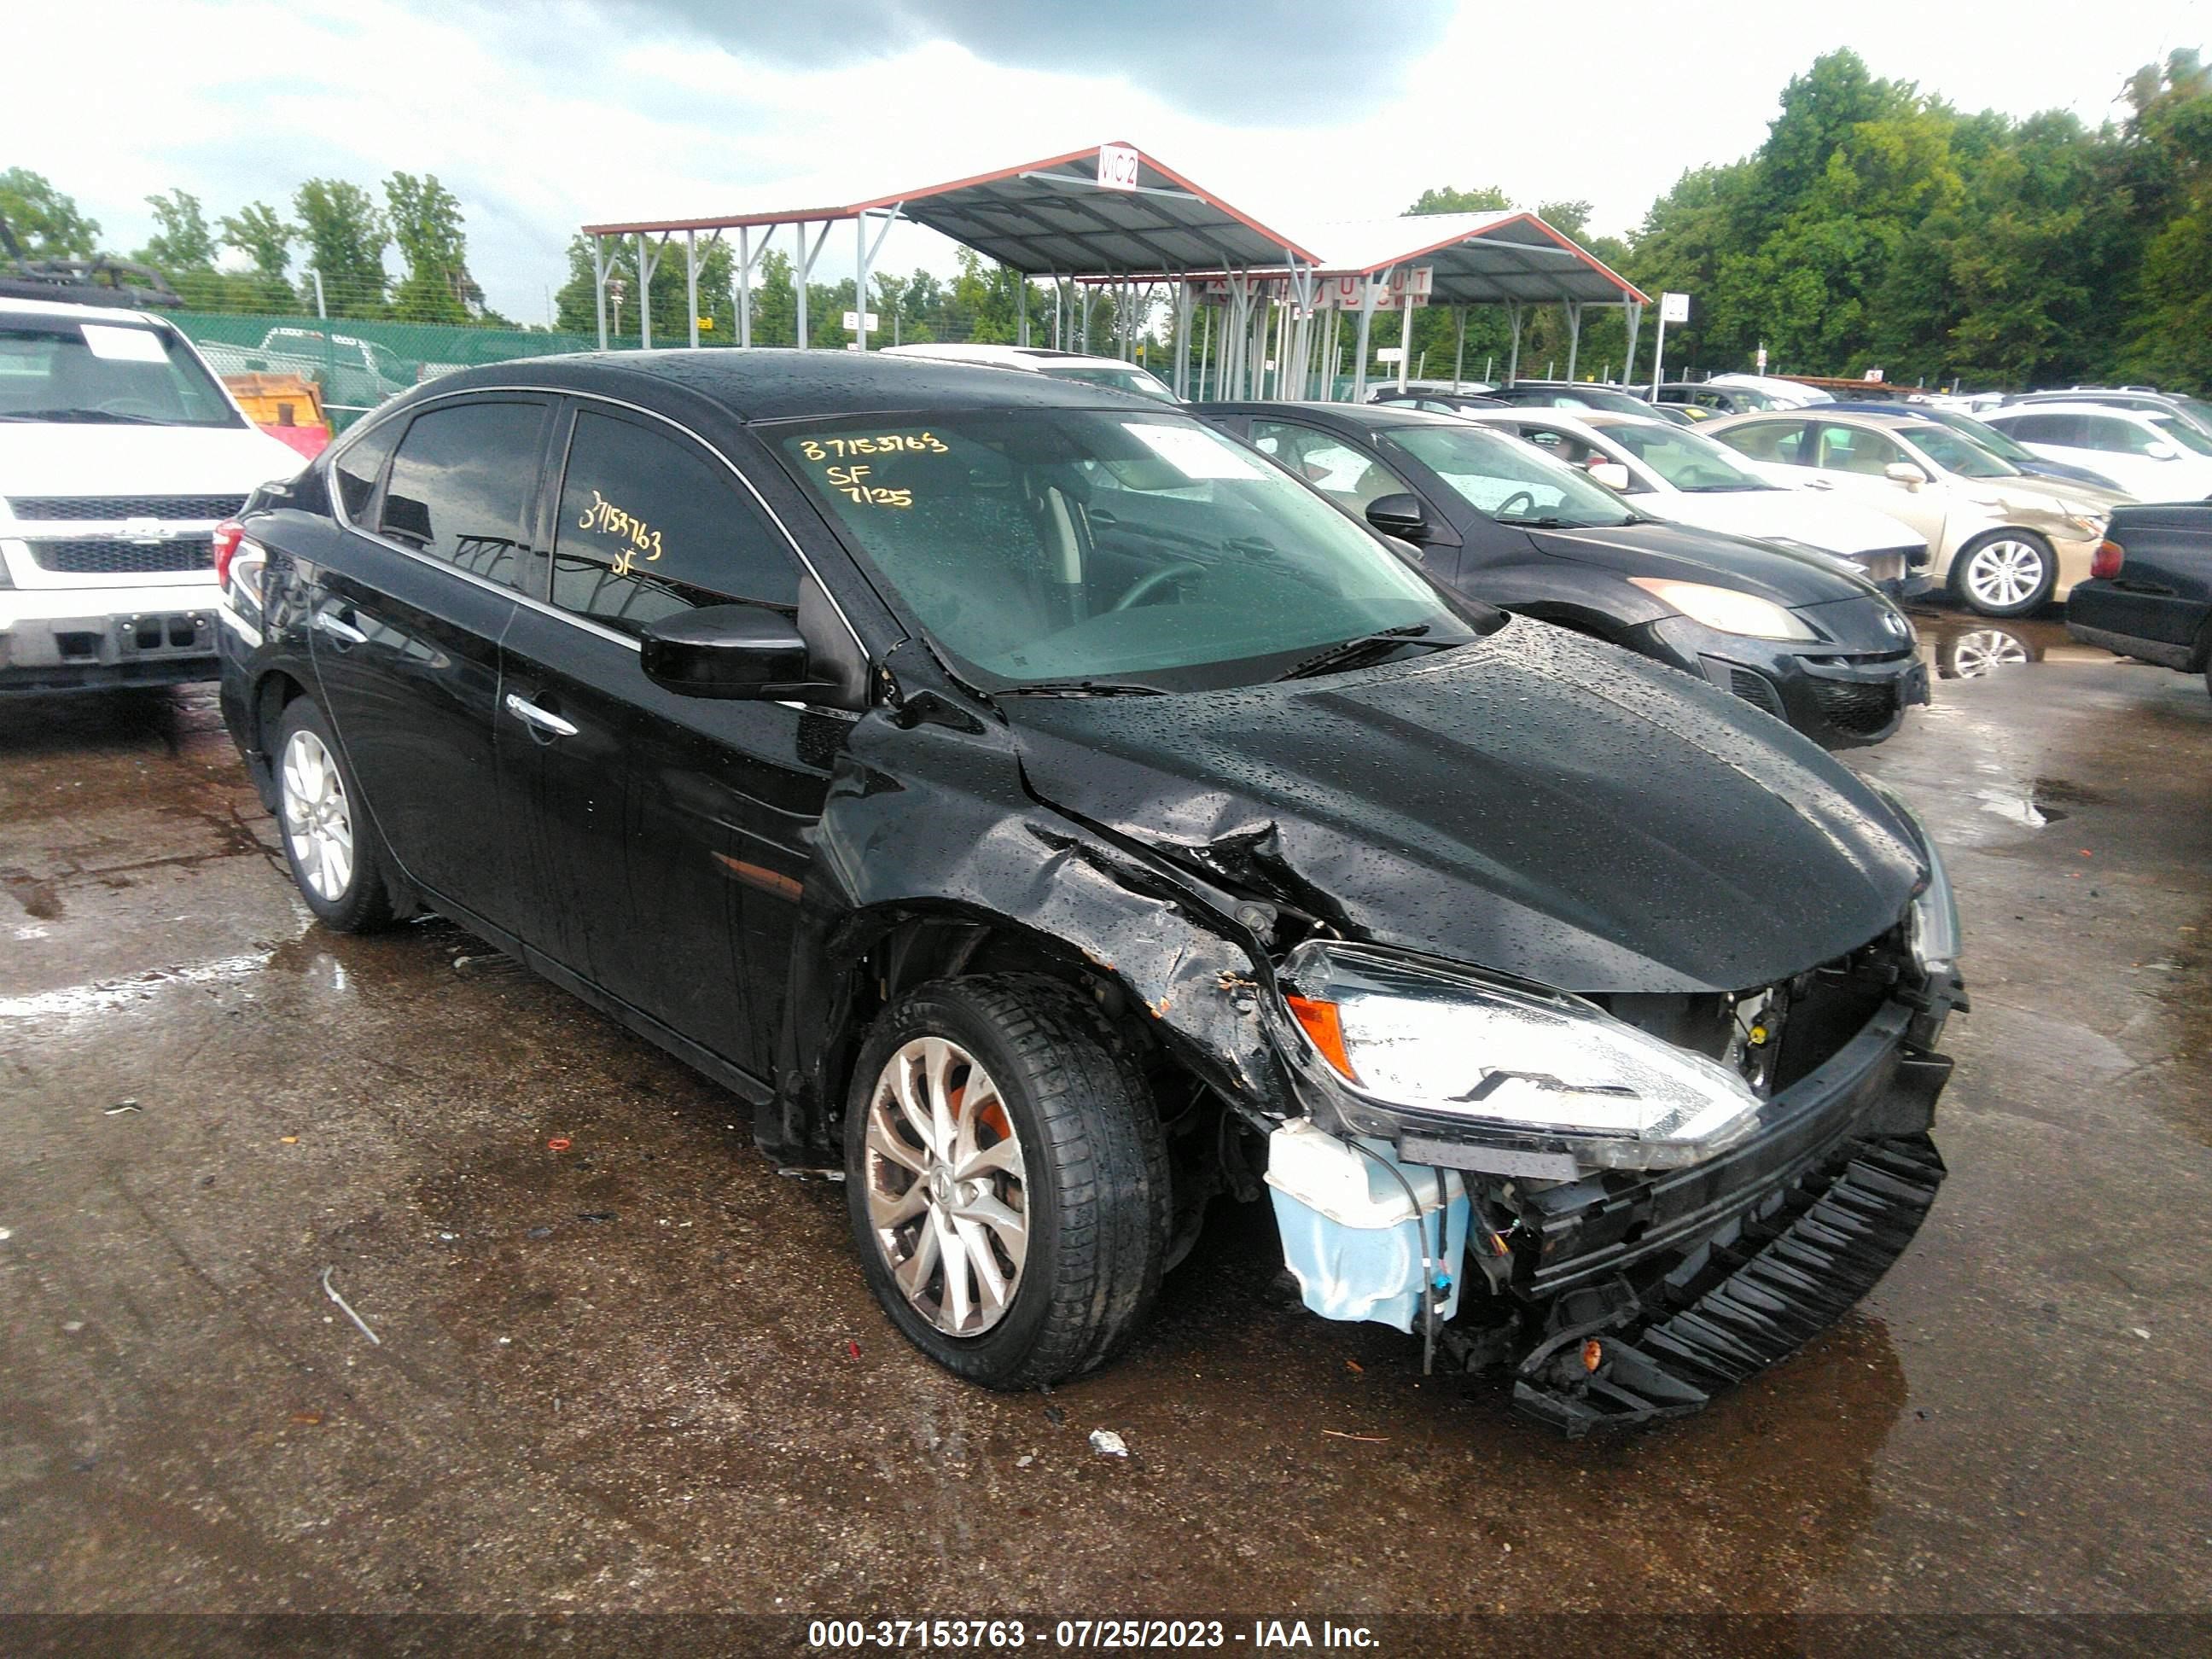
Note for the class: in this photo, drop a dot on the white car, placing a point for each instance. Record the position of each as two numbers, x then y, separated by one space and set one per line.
2152 455
120 454
1110 371
1787 394
1671 473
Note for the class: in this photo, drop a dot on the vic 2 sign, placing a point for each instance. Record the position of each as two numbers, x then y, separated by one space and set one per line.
1117 167
1674 308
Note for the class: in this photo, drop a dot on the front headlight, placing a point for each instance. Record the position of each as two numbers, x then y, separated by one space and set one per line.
1726 609
1933 934
1465 1057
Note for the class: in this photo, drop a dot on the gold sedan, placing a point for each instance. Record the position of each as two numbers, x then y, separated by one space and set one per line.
2006 544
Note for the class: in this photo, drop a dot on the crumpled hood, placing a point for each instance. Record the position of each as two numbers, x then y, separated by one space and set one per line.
68 458
1533 803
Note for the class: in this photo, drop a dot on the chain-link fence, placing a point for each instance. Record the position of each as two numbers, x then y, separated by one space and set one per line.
357 363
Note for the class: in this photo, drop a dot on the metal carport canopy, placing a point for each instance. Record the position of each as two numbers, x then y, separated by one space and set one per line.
1059 216
1478 258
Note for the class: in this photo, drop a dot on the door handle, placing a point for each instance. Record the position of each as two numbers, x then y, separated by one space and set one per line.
346 633
531 714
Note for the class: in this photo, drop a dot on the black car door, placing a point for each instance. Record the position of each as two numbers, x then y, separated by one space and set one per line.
670 833
406 624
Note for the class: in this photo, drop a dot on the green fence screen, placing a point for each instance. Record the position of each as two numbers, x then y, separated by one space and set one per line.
358 363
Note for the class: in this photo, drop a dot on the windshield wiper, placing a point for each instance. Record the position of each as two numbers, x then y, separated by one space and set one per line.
87 415
1084 689
1347 653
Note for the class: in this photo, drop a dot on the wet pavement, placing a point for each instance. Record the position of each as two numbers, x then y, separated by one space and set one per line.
622 1363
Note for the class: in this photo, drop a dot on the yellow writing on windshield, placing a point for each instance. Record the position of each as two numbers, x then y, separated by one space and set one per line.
889 443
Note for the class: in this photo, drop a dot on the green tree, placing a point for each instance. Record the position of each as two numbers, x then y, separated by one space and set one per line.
47 223
260 233
344 234
1443 198
425 221
181 240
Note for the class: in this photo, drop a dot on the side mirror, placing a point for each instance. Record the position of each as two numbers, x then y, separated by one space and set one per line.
1399 515
728 651
1905 473
2163 451
1612 474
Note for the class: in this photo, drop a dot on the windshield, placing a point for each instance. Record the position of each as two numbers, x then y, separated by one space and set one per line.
2183 433
2004 449
1686 459
1058 546
1956 454
104 373
1145 384
1510 481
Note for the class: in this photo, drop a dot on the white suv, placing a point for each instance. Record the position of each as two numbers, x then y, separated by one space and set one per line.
120 455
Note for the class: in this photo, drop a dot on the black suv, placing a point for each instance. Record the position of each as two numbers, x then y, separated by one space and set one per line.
1051 814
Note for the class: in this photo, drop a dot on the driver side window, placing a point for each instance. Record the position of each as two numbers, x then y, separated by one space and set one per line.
1341 472
1854 449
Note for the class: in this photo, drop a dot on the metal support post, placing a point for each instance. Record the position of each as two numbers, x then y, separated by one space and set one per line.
1021 311
1513 364
1635 315
1366 327
599 284
1459 346
1574 335
691 282
645 266
1406 330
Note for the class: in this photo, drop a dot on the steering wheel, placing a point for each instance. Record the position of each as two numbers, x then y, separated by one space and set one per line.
1145 586
1504 508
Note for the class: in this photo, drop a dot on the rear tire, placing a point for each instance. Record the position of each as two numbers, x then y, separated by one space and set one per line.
1006 1179
2005 572
331 847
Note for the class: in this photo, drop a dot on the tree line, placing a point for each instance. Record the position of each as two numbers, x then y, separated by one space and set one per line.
341 228
1877 226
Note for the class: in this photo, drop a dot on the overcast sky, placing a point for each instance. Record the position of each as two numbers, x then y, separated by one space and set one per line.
542 118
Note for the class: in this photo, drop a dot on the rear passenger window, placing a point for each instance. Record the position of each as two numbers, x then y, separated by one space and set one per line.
461 482
651 525
2059 429
1771 441
359 465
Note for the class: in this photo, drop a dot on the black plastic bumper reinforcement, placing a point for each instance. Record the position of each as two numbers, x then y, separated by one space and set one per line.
1780 1295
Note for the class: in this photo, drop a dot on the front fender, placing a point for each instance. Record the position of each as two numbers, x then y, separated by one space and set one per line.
925 817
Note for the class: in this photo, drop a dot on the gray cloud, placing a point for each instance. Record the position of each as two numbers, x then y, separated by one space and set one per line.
1257 62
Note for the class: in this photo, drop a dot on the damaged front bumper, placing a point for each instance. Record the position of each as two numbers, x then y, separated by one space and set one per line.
1622 1298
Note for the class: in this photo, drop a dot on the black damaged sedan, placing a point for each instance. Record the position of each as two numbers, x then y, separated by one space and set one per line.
1053 817
1800 634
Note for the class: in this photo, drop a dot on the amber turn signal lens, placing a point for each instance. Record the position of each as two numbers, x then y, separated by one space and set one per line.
1593 1354
1319 1021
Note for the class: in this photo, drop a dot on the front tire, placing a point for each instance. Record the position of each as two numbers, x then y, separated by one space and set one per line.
2006 573
329 842
1006 1180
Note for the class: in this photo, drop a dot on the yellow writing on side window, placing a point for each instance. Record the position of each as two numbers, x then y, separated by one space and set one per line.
608 519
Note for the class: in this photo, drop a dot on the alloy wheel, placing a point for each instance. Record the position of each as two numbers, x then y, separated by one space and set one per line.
946 1186
1977 651
2004 574
317 818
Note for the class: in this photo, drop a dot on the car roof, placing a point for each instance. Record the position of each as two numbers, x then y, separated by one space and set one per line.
75 313
1377 415
768 384
1009 356
2076 406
